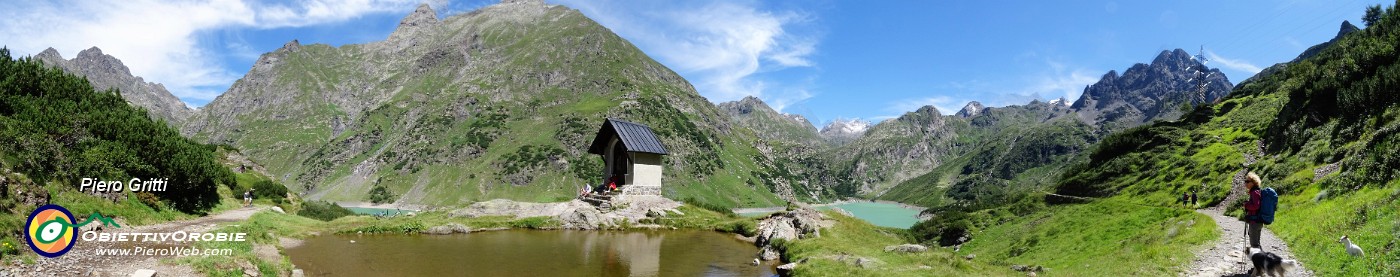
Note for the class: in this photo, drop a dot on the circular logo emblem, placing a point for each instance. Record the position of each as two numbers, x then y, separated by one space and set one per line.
50 230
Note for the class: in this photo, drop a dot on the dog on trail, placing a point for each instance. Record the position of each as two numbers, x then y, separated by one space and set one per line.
1352 249
1265 262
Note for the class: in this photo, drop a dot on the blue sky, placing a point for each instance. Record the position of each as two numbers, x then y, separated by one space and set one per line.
870 60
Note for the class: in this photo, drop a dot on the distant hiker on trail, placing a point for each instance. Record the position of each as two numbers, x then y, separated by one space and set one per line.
1259 210
1193 198
248 198
1185 199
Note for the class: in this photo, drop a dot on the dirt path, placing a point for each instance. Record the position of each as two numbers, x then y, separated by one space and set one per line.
83 261
1226 256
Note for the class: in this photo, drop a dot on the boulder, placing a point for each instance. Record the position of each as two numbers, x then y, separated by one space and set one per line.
656 212
278 210
450 228
864 262
584 217
768 254
787 268
144 273
906 248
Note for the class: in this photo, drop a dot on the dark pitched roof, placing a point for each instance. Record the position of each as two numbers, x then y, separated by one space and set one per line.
635 137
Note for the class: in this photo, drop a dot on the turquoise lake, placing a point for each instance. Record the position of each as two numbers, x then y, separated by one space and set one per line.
881 214
374 211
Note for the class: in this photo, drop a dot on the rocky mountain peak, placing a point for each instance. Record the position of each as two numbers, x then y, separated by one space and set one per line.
746 106
94 58
422 16
1172 56
107 72
49 53
1147 92
767 123
1347 28
930 110
527 2
845 128
972 109
422 20
292 46
1060 102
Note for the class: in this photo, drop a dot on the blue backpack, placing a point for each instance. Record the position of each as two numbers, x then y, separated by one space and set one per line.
1267 205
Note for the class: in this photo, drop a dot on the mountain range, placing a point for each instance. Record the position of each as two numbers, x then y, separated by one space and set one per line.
500 103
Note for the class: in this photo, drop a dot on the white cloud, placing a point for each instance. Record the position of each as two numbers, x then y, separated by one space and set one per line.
156 39
721 46
1062 82
1234 64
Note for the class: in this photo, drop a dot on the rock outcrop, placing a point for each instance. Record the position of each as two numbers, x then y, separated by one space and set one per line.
906 248
972 109
576 214
788 226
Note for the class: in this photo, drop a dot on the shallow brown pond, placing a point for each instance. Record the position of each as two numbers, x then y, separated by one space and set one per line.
530 253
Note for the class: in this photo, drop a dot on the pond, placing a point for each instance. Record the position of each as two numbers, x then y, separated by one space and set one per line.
881 213
531 253
375 211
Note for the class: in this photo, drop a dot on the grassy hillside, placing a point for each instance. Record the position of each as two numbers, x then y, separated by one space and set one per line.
497 103
1113 237
1322 131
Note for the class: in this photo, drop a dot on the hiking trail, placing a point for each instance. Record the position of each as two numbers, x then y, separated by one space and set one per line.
1226 257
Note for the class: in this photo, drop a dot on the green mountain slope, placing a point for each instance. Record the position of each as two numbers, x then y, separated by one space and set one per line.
496 103
1322 131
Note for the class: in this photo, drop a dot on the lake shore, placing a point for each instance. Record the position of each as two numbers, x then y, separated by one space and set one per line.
751 211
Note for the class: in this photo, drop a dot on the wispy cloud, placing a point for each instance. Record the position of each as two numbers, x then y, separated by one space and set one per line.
157 39
1060 82
723 47
1234 64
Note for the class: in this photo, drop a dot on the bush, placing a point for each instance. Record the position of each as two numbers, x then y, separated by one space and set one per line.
268 189
538 222
323 210
745 227
379 195
947 228
9 246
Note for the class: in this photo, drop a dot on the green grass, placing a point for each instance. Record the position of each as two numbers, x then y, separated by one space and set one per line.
262 228
856 238
1368 216
1110 237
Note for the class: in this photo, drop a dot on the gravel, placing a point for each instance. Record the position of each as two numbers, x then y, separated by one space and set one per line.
1226 256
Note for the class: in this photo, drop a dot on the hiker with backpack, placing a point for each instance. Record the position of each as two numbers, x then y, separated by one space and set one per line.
1259 210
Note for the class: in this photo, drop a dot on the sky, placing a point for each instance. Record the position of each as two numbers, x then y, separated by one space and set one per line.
823 59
